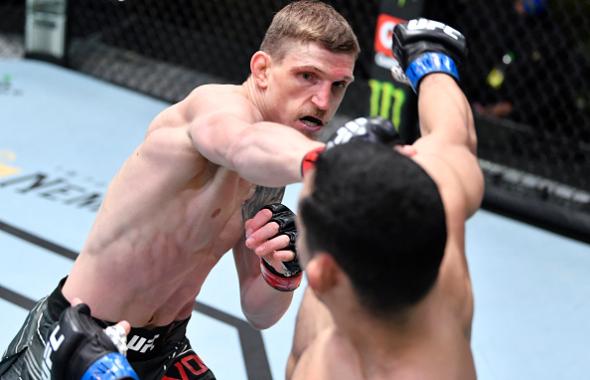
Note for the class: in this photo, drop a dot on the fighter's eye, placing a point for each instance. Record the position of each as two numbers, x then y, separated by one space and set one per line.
340 85
307 76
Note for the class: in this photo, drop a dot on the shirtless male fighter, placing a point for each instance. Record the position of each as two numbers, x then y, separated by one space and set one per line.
404 309
179 202
381 236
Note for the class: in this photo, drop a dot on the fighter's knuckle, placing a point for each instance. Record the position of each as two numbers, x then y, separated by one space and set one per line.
273 228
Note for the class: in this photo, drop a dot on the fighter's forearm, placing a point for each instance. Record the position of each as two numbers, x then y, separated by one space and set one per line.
443 109
263 153
270 155
262 305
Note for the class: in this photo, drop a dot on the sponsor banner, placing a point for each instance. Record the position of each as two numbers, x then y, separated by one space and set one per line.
389 98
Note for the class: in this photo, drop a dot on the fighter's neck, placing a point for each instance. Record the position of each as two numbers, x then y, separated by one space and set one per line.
385 345
256 96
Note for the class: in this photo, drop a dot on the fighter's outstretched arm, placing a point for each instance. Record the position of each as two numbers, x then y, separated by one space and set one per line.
448 136
430 53
264 153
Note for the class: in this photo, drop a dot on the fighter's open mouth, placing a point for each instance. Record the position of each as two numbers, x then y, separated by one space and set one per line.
312 121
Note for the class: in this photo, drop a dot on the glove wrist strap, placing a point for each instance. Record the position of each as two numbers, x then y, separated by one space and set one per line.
113 366
277 280
428 63
310 159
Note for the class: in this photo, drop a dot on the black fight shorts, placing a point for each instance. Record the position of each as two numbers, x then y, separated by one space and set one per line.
162 353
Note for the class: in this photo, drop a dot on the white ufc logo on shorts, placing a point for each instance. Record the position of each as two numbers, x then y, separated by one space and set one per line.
54 344
141 344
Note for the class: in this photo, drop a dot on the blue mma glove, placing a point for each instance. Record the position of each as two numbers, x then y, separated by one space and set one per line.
423 47
78 348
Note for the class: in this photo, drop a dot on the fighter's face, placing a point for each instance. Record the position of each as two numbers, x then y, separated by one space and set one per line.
306 87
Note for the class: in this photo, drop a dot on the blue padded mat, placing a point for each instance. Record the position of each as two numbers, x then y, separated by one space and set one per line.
63 135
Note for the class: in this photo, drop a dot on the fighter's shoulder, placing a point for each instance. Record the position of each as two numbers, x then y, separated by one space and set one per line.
330 356
211 89
214 98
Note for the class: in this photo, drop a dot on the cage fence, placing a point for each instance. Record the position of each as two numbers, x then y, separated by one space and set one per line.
526 77
12 21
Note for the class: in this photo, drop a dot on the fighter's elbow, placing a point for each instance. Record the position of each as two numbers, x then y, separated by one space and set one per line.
474 189
462 135
260 323
471 131
472 145
471 139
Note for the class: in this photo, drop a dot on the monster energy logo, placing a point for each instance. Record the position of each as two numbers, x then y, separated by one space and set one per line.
387 101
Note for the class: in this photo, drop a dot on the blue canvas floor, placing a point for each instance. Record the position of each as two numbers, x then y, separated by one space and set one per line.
63 135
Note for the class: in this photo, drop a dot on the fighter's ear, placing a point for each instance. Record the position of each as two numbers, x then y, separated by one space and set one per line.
259 67
323 273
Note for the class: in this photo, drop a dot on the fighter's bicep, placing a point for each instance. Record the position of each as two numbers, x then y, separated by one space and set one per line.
215 133
467 173
169 151
456 171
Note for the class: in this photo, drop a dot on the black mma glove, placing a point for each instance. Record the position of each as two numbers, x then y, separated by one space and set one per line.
423 47
78 348
373 129
290 278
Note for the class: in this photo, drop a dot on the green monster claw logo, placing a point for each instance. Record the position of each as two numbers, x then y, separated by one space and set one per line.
387 101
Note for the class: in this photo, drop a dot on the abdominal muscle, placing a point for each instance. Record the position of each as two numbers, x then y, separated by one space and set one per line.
146 264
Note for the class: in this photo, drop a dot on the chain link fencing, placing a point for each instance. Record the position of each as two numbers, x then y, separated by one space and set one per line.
12 26
526 77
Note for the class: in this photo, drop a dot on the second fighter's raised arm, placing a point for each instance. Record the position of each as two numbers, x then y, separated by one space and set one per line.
430 53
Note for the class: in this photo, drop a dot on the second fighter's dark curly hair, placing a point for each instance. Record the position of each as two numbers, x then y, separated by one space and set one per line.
380 215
